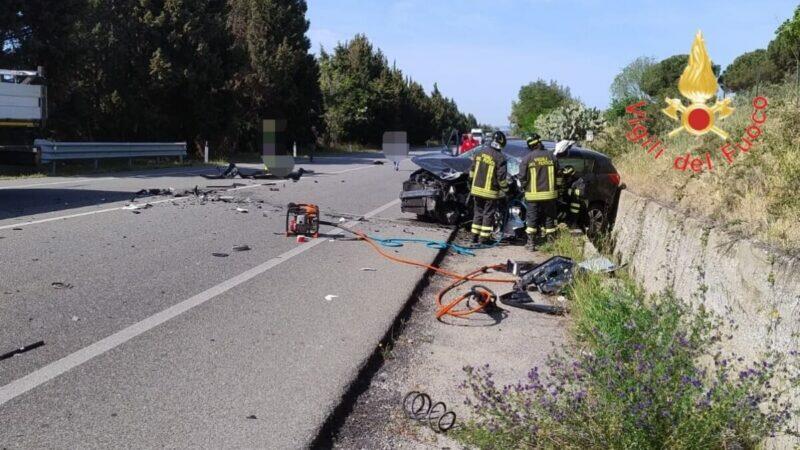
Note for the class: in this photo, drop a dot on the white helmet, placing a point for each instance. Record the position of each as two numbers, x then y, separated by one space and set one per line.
562 147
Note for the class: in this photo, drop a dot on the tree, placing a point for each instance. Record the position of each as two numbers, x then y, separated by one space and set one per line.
277 77
661 79
534 99
351 100
784 50
749 70
628 83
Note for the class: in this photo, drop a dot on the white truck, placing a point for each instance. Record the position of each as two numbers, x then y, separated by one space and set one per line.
477 134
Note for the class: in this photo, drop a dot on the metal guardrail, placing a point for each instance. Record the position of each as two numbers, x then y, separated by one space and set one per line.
51 152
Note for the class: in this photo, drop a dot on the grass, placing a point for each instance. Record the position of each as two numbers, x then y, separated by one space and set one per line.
645 372
758 190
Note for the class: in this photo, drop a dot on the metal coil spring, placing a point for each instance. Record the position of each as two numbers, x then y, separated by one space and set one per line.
419 406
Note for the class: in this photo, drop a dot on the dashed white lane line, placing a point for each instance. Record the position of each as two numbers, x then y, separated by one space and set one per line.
61 366
118 208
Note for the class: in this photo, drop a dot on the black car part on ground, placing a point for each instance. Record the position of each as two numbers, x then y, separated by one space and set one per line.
549 277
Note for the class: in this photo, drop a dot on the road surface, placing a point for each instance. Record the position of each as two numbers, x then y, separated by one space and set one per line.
151 341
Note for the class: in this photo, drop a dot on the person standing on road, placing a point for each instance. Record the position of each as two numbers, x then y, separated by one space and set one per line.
489 184
537 173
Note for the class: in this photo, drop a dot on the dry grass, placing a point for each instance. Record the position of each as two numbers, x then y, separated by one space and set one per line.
757 195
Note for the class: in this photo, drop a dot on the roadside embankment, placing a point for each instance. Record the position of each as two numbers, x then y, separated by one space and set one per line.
753 287
737 278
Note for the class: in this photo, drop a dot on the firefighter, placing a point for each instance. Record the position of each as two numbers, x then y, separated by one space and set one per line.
537 177
488 185
577 202
564 180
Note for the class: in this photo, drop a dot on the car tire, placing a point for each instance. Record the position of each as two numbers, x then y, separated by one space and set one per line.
596 221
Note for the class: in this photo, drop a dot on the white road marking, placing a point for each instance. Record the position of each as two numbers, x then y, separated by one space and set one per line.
61 366
118 208
101 211
81 180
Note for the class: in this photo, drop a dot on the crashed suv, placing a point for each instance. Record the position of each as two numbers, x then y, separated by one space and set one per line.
439 190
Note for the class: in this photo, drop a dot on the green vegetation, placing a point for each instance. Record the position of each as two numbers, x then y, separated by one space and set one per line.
755 195
571 121
646 373
175 70
534 99
364 97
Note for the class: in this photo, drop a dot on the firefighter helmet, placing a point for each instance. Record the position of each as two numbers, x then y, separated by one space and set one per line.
534 141
498 140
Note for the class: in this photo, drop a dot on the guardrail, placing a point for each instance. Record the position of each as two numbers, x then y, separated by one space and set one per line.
49 152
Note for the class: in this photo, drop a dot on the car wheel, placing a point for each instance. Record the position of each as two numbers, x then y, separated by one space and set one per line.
596 220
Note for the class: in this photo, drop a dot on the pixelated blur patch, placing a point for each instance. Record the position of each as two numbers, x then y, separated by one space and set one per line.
395 145
275 147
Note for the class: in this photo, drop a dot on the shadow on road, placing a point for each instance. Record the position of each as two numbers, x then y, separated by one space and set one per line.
32 201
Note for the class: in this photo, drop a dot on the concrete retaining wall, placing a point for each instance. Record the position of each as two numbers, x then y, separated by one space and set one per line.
736 278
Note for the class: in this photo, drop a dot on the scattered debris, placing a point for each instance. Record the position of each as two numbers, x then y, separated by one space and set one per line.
242 210
252 416
342 220
420 407
137 206
17 229
220 255
75 318
549 277
378 162
274 189
295 176
600 264
301 239
330 297
60 285
21 350
369 269
153 192
241 248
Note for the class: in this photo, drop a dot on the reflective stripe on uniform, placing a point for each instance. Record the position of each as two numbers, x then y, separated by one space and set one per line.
485 234
530 230
485 193
549 230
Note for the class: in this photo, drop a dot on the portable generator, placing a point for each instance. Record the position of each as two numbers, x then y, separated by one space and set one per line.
302 219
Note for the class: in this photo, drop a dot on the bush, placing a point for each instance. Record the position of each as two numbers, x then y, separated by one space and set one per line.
639 379
570 121
758 191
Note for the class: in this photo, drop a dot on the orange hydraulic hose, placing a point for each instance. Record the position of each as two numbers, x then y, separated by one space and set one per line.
448 309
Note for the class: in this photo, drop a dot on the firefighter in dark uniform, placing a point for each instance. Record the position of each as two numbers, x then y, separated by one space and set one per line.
537 177
577 201
488 185
564 180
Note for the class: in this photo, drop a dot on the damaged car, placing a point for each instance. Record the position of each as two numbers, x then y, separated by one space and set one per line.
439 190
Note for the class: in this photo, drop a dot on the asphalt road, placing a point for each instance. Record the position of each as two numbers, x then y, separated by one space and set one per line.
151 341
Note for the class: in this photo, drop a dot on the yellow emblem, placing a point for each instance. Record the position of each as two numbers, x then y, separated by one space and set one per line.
698 84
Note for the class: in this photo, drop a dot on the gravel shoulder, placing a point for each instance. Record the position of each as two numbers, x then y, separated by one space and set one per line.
429 356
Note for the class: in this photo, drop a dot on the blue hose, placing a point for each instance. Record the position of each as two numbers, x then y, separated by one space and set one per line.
441 245
430 243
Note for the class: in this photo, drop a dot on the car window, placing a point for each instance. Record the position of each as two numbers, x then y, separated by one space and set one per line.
580 165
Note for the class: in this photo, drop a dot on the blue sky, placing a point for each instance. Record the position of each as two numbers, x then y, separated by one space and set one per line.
481 51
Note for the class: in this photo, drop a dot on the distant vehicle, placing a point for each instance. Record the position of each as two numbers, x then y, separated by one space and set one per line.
439 190
477 134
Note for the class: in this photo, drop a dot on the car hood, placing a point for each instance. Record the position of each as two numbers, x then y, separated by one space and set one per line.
443 166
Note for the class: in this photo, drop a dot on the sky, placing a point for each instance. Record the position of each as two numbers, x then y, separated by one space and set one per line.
480 52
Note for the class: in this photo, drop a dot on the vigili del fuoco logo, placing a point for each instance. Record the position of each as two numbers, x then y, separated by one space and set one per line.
698 85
